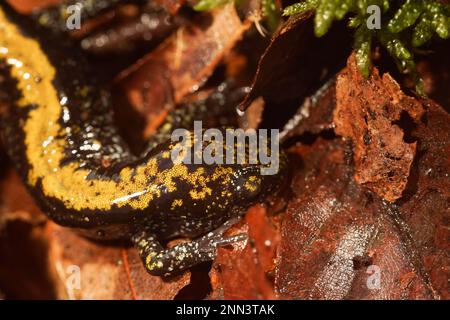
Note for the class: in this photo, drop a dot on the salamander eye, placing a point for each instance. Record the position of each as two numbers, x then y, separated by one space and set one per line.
248 186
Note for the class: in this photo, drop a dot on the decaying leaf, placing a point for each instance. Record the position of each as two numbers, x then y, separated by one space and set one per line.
371 113
340 239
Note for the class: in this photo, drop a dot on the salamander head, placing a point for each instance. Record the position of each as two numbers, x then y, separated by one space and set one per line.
250 184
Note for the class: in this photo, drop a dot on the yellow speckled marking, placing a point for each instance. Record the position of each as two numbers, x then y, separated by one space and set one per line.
177 203
150 264
45 152
253 183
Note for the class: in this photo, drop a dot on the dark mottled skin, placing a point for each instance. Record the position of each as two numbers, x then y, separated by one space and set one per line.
202 219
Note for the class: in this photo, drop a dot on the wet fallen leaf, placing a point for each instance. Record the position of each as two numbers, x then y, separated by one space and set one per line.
340 240
106 272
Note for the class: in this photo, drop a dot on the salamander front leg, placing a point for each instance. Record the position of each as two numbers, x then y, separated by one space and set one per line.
160 261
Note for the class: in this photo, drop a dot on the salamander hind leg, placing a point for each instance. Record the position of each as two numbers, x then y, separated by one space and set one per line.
161 261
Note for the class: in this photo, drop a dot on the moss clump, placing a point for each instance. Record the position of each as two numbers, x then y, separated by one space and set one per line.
405 25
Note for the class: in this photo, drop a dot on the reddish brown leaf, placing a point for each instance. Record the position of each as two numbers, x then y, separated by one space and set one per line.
366 111
107 272
245 273
28 5
24 270
336 233
334 230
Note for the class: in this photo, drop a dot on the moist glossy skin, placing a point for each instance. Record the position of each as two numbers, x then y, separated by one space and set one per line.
59 132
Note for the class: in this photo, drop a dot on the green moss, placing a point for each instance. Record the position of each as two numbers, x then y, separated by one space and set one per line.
405 25
271 12
203 5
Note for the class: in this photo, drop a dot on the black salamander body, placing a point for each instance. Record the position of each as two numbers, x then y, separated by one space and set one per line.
60 134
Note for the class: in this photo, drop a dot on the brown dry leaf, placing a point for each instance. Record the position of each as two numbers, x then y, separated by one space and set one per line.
106 272
339 238
425 206
181 63
245 273
370 111
334 230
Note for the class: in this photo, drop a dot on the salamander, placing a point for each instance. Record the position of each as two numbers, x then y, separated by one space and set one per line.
60 134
